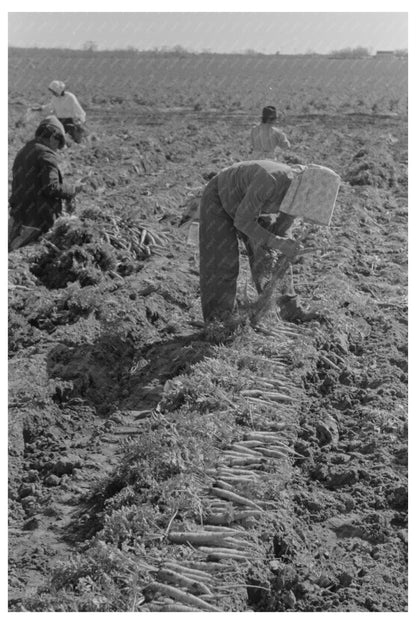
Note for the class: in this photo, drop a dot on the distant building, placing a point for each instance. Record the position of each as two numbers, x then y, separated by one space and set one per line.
384 53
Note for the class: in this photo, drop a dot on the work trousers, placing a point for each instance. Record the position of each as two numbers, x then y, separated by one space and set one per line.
21 235
74 128
219 256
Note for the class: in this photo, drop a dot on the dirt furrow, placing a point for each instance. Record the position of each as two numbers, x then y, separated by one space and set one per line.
152 469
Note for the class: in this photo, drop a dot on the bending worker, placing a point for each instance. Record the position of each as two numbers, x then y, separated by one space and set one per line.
37 186
233 205
65 106
265 138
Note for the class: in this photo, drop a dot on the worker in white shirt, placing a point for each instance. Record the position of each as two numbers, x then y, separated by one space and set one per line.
265 138
65 106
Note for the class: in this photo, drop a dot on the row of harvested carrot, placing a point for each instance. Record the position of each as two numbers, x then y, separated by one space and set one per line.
242 466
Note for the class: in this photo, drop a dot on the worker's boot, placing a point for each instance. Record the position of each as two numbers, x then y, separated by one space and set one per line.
293 313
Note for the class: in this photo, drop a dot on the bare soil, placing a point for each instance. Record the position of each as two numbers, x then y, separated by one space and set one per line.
122 408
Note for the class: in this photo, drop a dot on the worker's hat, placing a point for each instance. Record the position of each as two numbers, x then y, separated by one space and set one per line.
269 112
57 87
51 126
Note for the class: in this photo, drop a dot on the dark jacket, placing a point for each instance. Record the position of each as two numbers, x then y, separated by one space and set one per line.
37 188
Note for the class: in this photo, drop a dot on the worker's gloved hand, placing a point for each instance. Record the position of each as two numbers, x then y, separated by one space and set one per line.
288 247
70 205
291 248
267 220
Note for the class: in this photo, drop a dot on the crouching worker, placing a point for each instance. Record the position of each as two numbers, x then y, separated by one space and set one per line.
38 188
233 205
65 106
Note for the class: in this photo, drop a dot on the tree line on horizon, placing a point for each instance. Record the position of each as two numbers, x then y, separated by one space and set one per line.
178 50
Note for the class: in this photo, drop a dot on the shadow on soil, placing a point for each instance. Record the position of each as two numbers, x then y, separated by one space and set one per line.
160 362
113 373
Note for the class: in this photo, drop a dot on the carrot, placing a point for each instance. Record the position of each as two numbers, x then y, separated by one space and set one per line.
225 475
249 393
220 519
241 448
222 553
223 484
177 594
208 527
242 480
204 538
177 607
235 471
172 576
150 239
276 446
274 454
244 451
260 443
209 565
277 427
236 516
278 396
237 453
264 384
235 498
247 462
190 572
229 457
219 503
232 541
254 392
249 443
211 471
232 450
260 435
215 511
219 507
269 398
159 241
158 605
329 362
254 463
233 478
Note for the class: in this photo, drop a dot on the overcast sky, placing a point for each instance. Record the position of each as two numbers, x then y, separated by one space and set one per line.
220 32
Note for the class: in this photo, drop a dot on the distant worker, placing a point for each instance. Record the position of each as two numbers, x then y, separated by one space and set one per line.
65 106
265 138
244 201
37 186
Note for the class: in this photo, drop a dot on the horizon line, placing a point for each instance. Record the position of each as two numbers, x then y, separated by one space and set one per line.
179 49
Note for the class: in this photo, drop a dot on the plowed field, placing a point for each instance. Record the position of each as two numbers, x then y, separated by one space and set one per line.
153 466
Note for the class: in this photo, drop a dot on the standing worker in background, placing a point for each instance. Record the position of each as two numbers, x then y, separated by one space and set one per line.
65 106
245 201
37 186
265 138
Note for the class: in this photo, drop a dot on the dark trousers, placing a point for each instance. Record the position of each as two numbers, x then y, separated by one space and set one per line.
219 256
73 128
21 235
